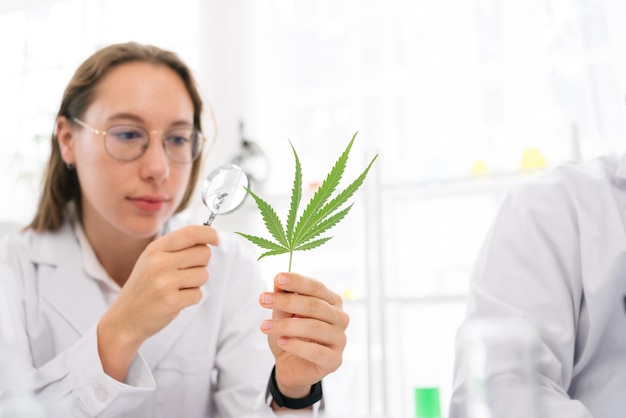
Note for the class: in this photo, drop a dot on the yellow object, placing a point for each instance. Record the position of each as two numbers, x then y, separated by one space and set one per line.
479 168
348 295
533 159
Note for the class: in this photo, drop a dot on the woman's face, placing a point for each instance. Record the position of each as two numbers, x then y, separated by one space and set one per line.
134 197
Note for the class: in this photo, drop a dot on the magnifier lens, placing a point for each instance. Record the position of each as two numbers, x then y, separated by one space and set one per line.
224 190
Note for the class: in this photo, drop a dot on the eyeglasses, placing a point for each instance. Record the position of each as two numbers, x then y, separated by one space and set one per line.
129 142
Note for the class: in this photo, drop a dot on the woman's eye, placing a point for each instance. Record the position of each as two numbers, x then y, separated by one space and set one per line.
126 134
177 139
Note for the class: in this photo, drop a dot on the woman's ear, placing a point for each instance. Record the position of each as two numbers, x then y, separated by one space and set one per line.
65 135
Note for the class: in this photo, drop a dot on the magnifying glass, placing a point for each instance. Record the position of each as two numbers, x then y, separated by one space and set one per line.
224 190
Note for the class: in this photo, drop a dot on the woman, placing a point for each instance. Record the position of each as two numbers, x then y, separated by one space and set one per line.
117 315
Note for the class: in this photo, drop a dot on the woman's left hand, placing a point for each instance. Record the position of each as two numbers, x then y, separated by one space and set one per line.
306 333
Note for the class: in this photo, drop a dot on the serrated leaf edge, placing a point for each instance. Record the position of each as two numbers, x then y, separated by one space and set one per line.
312 244
341 198
263 242
324 225
324 192
271 219
296 197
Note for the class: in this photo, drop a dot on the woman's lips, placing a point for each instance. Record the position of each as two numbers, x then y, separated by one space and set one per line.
148 203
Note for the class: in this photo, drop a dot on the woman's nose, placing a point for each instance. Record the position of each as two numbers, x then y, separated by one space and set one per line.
155 162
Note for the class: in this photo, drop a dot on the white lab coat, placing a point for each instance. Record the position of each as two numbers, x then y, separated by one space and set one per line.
211 360
556 256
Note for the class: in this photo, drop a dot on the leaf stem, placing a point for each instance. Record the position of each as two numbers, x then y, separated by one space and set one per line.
290 257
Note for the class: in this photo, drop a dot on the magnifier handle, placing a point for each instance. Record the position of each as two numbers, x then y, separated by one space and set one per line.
210 220
217 203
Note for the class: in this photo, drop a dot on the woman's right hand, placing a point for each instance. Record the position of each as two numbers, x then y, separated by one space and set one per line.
166 279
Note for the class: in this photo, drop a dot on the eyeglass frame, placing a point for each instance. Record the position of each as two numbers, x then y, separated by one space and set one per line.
202 139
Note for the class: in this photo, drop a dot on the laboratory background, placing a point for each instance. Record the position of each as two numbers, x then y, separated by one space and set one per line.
460 99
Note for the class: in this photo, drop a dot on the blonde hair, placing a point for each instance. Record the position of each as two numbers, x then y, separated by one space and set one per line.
61 185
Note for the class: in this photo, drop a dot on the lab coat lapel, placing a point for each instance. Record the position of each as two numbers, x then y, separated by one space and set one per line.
79 299
620 172
64 284
160 344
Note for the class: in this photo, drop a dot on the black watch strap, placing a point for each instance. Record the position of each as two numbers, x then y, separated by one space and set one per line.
291 403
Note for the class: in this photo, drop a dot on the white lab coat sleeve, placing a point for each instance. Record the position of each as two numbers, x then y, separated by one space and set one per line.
97 394
243 360
529 267
73 382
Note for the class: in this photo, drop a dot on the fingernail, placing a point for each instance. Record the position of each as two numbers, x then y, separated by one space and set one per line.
267 324
282 340
282 279
267 299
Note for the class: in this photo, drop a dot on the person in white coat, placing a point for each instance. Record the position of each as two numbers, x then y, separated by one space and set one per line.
556 258
120 309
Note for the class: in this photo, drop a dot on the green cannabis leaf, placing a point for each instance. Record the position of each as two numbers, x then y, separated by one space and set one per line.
321 213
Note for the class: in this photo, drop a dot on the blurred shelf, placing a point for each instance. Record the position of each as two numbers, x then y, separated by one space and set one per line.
488 183
426 299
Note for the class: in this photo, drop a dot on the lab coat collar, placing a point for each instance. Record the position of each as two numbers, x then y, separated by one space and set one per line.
79 298
52 247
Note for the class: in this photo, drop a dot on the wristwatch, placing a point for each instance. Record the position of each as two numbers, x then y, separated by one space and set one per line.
286 402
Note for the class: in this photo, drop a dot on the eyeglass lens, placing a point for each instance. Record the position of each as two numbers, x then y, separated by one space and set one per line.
127 142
